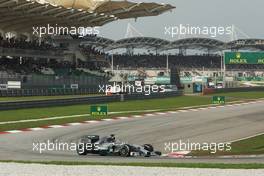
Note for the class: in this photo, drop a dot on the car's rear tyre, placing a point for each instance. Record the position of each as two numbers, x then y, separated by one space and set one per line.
81 151
103 152
125 151
148 147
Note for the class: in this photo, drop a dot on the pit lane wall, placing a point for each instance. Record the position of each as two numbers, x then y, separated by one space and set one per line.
83 100
208 91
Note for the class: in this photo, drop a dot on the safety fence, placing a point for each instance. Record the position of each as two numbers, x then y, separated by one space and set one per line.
82 100
239 89
47 92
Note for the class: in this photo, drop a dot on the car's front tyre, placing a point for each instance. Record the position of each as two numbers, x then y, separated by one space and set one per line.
125 151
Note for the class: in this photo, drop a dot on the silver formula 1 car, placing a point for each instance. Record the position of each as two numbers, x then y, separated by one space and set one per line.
109 145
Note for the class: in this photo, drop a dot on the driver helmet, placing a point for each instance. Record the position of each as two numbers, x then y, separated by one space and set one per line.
112 137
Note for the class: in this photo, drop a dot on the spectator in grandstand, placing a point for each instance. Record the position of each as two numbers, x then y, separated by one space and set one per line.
23 44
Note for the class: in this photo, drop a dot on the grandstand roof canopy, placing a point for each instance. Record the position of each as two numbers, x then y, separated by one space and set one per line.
22 15
247 44
99 42
187 43
139 42
196 43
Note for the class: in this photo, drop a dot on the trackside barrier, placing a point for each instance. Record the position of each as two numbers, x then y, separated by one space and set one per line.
225 90
82 100
46 92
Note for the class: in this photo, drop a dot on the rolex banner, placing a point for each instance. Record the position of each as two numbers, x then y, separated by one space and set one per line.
244 58
101 110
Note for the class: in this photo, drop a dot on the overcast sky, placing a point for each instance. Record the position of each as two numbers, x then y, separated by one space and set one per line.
246 15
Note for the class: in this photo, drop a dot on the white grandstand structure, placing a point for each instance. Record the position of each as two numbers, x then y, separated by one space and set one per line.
21 15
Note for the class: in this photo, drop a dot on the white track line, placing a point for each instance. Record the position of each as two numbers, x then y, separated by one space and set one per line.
43 119
14 131
241 139
36 129
107 119
93 121
160 113
183 111
149 114
56 126
73 124
173 112
194 110
71 116
122 118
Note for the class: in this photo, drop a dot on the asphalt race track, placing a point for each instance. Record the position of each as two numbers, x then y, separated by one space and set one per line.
220 124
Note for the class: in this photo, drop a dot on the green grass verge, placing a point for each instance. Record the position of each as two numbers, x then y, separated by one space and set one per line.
171 165
30 98
250 146
139 105
166 103
36 113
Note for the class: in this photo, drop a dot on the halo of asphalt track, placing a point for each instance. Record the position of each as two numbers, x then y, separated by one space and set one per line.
211 125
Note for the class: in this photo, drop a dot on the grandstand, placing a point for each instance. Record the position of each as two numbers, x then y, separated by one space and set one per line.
64 60
58 61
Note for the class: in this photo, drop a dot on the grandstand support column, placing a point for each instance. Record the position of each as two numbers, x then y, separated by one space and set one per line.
208 51
234 49
224 76
221 69
167 64
130 51
2 33
182 51
112 63
77 62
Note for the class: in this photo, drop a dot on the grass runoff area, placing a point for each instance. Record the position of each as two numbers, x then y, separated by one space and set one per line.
136 164
159 105
250 146
139 105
